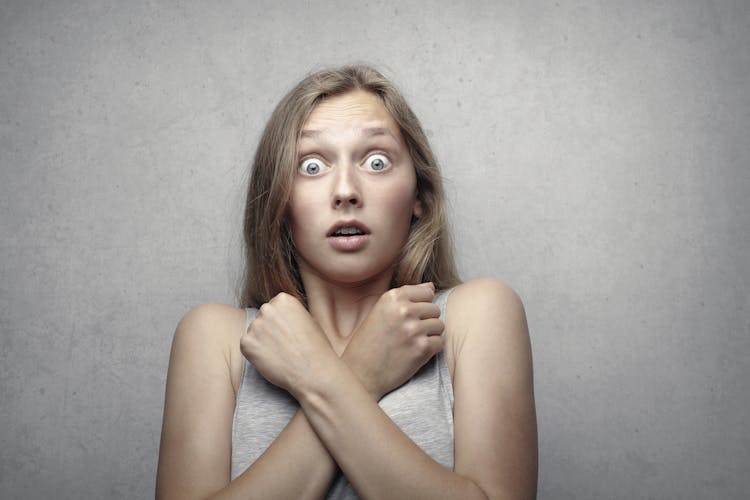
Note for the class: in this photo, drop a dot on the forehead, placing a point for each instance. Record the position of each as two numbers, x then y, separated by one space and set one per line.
353 109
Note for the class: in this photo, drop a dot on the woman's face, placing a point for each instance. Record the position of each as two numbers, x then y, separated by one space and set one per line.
354 192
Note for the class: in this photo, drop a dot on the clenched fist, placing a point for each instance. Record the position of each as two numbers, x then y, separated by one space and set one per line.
401 333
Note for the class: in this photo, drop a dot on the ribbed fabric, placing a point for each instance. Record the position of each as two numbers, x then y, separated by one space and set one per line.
422 408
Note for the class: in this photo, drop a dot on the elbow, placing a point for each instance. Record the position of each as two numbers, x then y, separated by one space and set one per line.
475 491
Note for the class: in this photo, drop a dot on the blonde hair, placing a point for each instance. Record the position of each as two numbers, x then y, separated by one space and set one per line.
270 265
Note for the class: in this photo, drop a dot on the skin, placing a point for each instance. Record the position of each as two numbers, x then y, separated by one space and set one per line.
356 341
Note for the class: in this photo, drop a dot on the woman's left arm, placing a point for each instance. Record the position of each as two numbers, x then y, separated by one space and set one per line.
495 423
494 411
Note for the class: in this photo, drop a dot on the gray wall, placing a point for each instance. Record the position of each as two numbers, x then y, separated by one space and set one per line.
598 161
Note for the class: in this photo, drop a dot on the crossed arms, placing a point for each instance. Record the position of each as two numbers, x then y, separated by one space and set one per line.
339 423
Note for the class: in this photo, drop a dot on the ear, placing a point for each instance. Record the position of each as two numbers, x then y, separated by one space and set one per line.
417 211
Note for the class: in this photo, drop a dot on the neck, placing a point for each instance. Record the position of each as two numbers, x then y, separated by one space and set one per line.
339 308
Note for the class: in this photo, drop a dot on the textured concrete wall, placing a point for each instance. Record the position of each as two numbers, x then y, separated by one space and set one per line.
598 161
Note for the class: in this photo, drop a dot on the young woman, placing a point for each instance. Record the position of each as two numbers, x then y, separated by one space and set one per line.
361 366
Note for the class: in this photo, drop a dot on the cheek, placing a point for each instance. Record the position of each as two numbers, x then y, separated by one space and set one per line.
399 203
403 200
301 209
401 197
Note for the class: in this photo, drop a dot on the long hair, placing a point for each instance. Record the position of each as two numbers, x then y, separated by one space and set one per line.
270 264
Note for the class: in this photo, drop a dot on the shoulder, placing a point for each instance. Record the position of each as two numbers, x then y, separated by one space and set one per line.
484 308
477 294
482 300
209 324
210 320
211 332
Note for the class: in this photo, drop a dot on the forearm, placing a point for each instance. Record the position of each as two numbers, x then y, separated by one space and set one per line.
376 456
296 465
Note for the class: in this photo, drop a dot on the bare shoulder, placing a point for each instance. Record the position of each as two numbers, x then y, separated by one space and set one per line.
483 296
212 329
484 307
210 322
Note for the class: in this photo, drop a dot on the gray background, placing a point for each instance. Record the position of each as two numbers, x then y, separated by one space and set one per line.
597 160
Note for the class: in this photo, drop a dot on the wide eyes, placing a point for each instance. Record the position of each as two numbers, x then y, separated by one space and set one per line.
376 162
311 166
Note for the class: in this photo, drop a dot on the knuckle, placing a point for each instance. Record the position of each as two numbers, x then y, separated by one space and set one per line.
281 297
411 328
257 325
435 311
404 310
246 343
286 300
424 346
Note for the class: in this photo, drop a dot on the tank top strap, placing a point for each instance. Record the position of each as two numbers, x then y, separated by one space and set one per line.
441 300
251 313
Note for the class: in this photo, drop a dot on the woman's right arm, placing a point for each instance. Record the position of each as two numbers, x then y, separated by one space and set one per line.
196 441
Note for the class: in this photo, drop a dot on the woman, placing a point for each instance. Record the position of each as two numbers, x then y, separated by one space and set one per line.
361 366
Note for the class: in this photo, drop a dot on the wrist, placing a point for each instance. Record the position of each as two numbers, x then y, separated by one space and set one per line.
323 377
361 375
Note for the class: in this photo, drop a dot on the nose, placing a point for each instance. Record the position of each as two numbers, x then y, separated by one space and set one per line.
346 190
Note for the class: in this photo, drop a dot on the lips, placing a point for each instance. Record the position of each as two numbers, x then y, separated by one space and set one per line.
347 229
348 236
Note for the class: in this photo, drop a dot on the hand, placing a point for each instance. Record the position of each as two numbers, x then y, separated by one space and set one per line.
285 344
400 334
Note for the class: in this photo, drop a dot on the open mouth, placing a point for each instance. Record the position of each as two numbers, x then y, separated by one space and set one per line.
349 236
347 231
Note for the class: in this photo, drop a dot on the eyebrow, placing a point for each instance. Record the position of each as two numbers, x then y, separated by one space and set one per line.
367 132
376 131
309 133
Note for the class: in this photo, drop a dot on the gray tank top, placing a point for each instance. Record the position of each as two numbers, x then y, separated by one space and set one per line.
422 408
